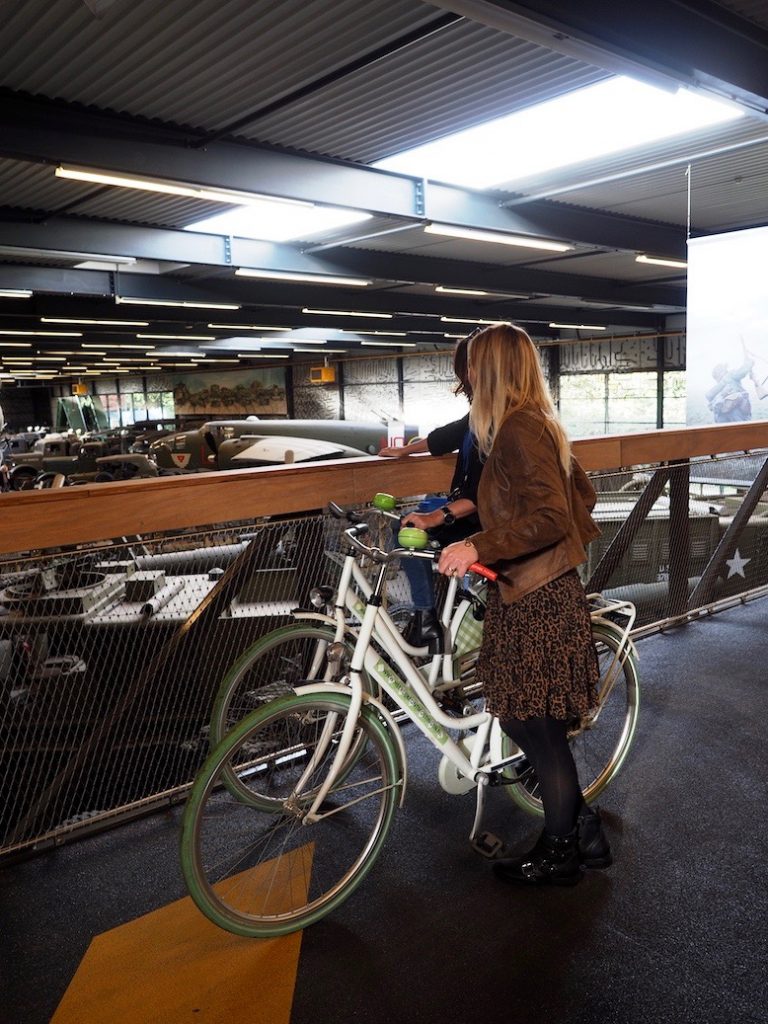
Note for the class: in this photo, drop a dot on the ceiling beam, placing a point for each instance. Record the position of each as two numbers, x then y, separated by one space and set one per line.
698 43
46 131
89 293
217 251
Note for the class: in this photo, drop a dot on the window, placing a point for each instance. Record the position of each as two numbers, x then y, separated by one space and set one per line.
620 403
674 398
138 406
631 402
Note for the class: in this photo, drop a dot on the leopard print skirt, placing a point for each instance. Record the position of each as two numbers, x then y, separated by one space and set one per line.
537 657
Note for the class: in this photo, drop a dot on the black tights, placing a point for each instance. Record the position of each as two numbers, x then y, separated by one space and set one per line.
544 742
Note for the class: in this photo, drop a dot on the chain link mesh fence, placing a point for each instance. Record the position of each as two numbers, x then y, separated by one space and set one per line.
111 655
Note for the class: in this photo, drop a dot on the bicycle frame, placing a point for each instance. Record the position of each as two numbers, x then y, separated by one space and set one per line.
353 601
413 695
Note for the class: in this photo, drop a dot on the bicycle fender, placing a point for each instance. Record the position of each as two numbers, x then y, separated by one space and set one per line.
301 614
384 713
327 620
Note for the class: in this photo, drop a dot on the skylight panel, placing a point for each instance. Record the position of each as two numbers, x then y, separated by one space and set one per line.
617 114
277 222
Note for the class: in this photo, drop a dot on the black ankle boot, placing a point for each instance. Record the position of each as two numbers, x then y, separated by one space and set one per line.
423 628
554 860
594 848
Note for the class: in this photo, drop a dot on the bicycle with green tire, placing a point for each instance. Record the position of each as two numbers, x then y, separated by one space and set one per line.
319 773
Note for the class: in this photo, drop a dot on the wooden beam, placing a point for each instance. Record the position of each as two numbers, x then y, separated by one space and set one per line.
37 520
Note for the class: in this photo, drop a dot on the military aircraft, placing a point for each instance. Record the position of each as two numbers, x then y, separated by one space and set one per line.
238 444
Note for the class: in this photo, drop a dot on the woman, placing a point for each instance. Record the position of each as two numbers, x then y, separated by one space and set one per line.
456 517
537 660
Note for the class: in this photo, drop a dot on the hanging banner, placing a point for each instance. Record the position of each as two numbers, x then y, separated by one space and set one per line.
727 364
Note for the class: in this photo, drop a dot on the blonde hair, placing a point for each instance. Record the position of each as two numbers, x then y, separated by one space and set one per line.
506 378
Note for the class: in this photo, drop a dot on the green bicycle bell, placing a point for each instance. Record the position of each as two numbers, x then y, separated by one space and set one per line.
386 502
412 537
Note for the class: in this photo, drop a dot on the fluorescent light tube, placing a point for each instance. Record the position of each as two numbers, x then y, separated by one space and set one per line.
347 312
15 293
659 261
177 337
496 236
281 275
133 301
15 344
390 344
459 291
580 327
173 353
261 355
105 323
465 320
247 327
109 345
46 334
173 188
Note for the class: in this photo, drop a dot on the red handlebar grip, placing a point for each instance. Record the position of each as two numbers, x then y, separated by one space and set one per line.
483 570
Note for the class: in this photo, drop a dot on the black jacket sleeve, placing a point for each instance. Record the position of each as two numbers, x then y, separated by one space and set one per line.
446 439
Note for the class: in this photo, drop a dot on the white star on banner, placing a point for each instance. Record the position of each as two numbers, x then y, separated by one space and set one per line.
736 565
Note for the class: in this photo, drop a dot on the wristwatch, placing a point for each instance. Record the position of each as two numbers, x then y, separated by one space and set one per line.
448 517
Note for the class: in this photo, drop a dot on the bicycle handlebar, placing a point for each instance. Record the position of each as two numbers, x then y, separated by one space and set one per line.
483 570
353 533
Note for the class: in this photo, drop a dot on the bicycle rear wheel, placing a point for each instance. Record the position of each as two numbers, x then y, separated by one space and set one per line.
254 867
600 742
271 668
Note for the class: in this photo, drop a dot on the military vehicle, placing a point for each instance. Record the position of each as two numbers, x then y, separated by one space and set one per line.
56 459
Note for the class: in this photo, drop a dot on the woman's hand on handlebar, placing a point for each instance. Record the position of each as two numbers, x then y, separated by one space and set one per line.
455 559
423 520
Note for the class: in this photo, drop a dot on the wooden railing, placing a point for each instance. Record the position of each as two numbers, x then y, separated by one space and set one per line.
36 520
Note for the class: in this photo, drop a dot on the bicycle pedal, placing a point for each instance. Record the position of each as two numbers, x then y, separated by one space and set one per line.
487 845
455 706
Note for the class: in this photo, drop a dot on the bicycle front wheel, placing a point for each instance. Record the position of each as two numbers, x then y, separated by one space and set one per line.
599 742
256 867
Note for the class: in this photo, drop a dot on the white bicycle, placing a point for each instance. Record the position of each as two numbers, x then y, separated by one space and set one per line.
290 810
319 644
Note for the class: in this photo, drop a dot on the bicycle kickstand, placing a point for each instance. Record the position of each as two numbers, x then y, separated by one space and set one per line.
485 843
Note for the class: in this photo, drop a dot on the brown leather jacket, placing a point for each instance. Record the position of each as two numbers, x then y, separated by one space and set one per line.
536 520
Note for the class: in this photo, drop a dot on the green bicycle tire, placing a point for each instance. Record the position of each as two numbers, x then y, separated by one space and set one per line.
241 889
271 668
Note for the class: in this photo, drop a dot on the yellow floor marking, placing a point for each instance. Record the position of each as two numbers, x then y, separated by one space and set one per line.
174 966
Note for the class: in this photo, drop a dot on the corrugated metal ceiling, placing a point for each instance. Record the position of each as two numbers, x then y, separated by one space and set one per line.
415 242
207 64
725 193
726 187
753 10
465 75
195 62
